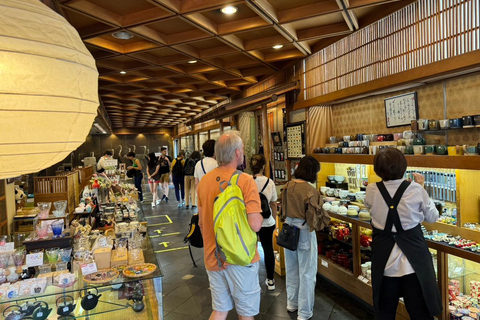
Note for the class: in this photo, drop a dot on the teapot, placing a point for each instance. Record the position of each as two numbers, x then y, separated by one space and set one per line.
66 307
27 308
42 311
90 300
138 305
14 314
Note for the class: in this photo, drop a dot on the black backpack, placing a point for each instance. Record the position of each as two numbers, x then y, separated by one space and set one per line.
194 236
177 169
189 168
264 202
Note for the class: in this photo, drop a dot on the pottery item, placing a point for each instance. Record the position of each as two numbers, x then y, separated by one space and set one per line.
409 142
414 125
470 150
339 178
408 135
335 203
379 138
402 149
476 119
331 178
397 136
354 207
330 192
444 124
326 206
409 149
455 151
90 300
28 307
346 138
323 189
429 149
364 214
433 124
351 196
66 307
418 149
332 139
329 199
138 305
441 149
419 141
360 196
14 314
352 213
422 124
343 194
387 137
467 122
455 123
342 210
334 209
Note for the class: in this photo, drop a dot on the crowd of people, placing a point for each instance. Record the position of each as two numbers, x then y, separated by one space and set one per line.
401 263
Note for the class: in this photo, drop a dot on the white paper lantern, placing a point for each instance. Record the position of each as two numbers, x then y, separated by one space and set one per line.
48 88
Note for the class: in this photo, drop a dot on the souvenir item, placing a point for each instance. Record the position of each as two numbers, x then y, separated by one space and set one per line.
90 300
42 311
102 276
139 270
28 307
66 307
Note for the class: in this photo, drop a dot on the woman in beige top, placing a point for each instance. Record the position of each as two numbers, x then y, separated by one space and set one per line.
302 207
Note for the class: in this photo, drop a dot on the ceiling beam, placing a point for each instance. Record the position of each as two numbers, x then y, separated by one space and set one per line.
324 31
308 11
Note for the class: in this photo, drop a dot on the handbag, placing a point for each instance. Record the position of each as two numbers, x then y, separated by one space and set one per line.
288 237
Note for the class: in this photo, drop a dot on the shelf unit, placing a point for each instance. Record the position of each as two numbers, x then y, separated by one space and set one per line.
351 283
3 209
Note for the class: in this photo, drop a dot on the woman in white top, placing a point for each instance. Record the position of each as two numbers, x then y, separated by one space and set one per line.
266 187
401 262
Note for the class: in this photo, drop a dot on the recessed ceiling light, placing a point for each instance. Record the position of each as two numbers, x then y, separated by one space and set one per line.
124 35
192 61
229 10
123 72
278 46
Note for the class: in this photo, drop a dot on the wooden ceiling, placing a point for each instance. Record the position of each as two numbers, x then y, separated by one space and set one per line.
160 86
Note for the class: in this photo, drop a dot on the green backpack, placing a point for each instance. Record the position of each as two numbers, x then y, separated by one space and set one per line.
235 241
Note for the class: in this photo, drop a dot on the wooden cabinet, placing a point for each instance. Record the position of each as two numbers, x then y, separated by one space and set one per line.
3 210
452 264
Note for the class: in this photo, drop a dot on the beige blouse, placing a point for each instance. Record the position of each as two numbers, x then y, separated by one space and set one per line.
300 200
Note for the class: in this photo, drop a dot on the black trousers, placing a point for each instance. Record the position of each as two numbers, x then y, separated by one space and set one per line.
407 287
266 239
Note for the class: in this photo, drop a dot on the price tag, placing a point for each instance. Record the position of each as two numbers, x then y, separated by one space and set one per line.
7 246
34 259
89 268
102 242
324 263
65 309
363 279
39 314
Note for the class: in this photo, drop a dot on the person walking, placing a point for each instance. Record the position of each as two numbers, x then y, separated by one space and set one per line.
165 163
266 186
153 174
302 207
138 176
190 189
230 285
178 177
208 163
402 265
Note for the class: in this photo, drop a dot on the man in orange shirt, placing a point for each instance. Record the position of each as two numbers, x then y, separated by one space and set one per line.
230 285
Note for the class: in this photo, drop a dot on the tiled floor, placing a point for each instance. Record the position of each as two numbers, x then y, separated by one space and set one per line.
186 293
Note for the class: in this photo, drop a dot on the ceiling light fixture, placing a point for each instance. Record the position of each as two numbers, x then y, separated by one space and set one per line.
229 10
192 61
278 46
123 35
123 72
99 127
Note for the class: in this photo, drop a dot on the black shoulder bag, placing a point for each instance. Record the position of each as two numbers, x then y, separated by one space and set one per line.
289 235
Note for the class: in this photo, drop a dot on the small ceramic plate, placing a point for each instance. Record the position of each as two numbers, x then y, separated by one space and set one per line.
139 270
101 276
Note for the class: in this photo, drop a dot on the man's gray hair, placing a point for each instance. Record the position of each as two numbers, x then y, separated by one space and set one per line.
226 145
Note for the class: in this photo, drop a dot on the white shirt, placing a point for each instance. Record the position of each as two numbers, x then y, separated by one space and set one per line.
101 163
270 193
414 208
208 163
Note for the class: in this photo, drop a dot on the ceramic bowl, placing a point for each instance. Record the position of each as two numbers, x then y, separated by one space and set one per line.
329 199
331 178
334 209
342 210
326 206
323 190
352 213
353 207
351 196
343 194
339 179
397 136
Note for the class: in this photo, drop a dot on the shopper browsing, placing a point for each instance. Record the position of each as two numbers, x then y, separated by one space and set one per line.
179 178
138 175
165 163
208 163
101 162
401 262
153 173
231 285
302 207
266 187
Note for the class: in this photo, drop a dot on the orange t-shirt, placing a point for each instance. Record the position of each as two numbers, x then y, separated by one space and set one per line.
208 189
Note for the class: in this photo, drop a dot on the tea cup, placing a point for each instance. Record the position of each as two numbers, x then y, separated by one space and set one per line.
333 139
444 124
343 194
408 135
323 189
470 150
409 149
430 149
342 210
418 149
346 138
422 124
441 149
353 207
402 149
455 151
419 141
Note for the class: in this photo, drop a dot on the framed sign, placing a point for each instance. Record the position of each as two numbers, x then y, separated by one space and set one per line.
296 140
401 110
277 140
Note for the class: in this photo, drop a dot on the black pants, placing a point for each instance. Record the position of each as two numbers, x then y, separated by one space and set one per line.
266 239
179 184
137 180
407 287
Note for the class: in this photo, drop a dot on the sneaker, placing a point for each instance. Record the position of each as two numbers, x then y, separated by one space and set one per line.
158 201
183 203
153 204
163 198
193 207
270 284
292 309
166 199
179 204
302 318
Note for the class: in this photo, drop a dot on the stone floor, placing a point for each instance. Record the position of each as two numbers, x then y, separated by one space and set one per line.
186 293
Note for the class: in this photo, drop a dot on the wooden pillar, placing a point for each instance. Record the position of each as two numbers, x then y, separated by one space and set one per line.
234 122
266 140
208 135
222 126
179 143
198 141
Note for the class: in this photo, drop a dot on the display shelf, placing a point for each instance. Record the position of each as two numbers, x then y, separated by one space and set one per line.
354 220
444 162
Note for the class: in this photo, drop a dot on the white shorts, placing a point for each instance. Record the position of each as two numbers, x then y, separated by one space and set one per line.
236 285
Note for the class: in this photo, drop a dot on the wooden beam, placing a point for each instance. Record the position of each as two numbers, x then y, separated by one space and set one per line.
242 25
143 130
145 16
216 52
263 43
283 55
187 36
462 62
331 30
205 23
97 12
299 13
201 5
150 34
